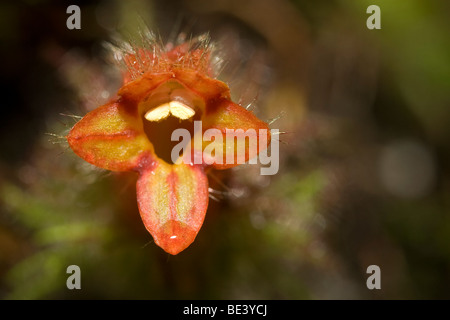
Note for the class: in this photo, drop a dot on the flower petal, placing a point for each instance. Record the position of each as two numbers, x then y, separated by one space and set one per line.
230 135
204 86
138 89
111 137
173 200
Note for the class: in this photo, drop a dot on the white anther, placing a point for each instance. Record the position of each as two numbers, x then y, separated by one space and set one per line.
175 108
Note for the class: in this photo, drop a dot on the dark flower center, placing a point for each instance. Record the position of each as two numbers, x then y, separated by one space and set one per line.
160 132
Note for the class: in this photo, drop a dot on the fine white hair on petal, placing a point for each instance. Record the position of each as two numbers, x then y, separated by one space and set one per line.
146 53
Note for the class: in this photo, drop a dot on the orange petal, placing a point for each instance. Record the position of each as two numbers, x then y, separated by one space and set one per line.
112 138
173 200
230 133
138 89
202 85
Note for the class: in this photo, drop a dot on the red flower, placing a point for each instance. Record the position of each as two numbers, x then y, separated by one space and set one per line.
121 135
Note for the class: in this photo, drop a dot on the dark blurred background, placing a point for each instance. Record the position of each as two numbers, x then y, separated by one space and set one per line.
364 174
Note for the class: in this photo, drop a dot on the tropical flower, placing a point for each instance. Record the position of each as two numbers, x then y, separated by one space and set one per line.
165 88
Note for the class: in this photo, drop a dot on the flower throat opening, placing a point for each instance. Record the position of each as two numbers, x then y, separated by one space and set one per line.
160 123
